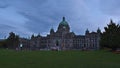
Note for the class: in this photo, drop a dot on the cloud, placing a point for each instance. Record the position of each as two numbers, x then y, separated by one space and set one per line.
11 20
26 17
110 7
49 14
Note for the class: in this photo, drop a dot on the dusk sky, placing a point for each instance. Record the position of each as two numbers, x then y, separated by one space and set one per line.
27 17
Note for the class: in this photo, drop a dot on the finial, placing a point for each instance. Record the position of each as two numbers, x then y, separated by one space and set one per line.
111 21
63 18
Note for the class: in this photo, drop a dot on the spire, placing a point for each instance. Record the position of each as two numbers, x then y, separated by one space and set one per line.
63 18
111 21
87 31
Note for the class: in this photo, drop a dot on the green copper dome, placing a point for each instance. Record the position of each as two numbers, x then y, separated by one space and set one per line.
63 26
63 22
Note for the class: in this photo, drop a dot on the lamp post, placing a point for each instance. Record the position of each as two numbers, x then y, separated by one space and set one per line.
21 46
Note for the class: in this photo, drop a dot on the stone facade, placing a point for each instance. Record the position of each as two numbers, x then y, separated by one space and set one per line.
63 39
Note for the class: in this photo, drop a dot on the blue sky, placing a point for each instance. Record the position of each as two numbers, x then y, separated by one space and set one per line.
27 17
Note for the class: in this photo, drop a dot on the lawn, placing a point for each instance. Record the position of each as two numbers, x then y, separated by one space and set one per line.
58 59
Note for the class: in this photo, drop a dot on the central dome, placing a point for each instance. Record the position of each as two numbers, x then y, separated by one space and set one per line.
63 26
63 22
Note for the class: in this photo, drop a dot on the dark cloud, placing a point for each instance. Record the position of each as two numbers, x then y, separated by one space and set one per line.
48 15
26 17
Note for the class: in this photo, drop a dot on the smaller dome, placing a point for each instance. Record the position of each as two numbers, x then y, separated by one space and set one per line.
87 31
52 30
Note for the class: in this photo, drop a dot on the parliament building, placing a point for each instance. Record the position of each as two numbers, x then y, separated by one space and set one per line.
63 39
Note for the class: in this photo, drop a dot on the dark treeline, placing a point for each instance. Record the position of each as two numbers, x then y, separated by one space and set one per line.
111 36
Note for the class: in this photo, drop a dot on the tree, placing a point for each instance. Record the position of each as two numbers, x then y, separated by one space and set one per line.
3 44
110 37
12 40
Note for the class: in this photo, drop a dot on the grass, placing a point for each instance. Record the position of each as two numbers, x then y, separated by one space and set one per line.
58 59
